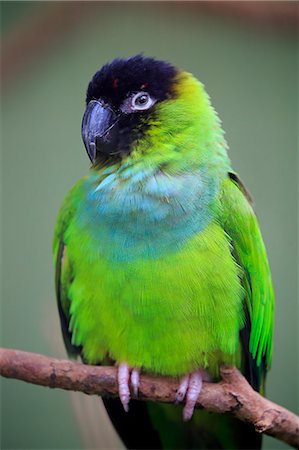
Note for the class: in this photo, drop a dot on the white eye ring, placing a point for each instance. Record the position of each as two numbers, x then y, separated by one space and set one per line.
141 101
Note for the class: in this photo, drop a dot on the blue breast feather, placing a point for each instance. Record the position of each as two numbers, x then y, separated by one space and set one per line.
146 214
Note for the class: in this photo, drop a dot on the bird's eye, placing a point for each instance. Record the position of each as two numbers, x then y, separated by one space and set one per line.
141 101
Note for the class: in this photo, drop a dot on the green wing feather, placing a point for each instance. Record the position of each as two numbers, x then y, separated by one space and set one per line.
240 223
63 269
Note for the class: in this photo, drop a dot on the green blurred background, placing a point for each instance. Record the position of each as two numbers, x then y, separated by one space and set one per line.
246 55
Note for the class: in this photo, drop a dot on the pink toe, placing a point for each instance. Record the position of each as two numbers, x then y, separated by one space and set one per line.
135 381
123 385
195 385
181 392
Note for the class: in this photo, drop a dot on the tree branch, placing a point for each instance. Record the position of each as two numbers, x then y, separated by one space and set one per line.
231 395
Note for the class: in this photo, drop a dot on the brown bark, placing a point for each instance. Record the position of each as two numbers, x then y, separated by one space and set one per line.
231 395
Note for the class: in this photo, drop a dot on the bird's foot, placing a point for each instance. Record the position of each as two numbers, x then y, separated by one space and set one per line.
189 390
125 376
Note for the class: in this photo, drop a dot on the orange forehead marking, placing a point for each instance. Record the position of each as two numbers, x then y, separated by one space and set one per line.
144 86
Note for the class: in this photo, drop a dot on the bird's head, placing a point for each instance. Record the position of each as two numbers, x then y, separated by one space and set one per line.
145 108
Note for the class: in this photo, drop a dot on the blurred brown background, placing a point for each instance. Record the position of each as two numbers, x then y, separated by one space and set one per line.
246 54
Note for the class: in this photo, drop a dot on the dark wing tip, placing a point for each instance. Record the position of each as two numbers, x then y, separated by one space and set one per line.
237 180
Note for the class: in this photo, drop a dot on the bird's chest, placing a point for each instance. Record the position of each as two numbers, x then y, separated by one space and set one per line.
161 305
146 218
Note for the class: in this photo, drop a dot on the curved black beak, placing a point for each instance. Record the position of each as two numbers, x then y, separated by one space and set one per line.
99 129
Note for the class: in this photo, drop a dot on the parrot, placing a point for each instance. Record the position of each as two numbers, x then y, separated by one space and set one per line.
160 266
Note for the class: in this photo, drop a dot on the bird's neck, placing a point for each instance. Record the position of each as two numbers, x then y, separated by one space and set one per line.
166 190
184 133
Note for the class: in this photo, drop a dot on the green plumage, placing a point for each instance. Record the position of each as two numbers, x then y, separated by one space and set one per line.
160 261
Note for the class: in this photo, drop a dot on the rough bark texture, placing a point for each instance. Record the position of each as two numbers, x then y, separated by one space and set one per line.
232 395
